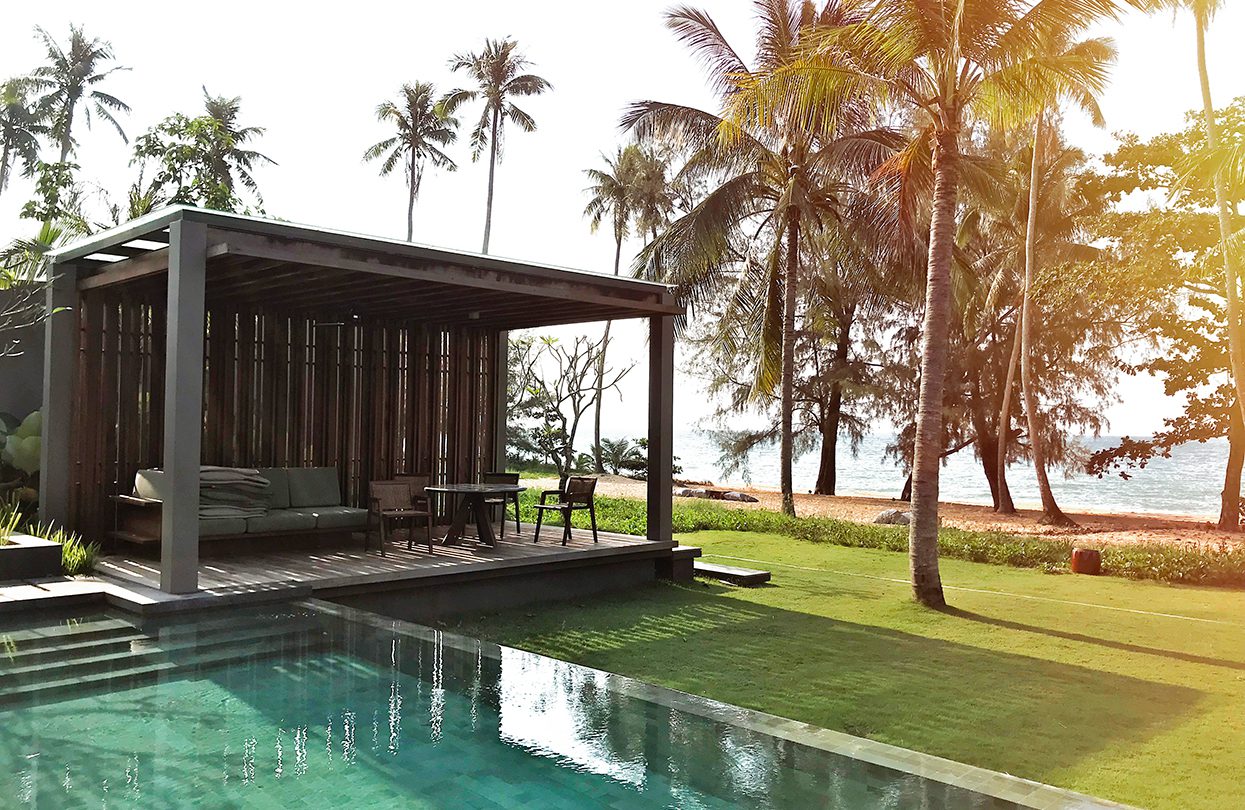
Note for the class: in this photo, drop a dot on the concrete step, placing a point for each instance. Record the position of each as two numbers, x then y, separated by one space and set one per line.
730 573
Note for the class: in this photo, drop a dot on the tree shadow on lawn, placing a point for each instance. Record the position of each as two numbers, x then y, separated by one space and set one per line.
1014 713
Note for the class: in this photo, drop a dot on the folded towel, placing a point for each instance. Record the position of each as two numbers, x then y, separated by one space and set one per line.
230 512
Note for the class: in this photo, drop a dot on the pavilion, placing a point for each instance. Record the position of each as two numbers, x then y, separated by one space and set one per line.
191 337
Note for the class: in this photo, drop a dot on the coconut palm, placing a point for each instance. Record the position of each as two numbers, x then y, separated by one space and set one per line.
611 193
20 130
780 175
1078 72
498 74
423 126
945 63
69 82
234 160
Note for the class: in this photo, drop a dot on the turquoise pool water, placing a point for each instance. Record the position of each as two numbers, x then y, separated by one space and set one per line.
296 707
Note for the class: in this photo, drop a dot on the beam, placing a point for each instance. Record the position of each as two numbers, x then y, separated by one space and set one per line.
150 263
500 373
183 407
60 368
660 428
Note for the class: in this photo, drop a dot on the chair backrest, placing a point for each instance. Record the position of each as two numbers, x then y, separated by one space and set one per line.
499 478
417 482
390 495
579 489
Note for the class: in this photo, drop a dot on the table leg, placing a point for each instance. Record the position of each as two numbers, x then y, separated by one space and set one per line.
459 523
484 526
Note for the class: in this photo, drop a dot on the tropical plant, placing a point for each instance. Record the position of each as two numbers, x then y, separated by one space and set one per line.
776 173
69 82
498 75
422 128
945 63
20 130
230 159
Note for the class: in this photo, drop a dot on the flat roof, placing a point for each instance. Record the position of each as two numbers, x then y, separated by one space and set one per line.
281 267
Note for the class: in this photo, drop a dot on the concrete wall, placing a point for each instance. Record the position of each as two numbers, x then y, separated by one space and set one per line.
21 376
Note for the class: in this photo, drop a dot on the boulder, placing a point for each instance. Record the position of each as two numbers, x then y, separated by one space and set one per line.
742 497
894 517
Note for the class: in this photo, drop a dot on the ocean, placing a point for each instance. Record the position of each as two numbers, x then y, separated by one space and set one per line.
1188 483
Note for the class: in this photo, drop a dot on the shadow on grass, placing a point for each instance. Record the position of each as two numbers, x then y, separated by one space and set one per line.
1081 638
1015 713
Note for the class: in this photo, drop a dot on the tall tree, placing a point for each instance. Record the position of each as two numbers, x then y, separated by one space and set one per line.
20 130
612 192
498 74
69 81
232 159
945 62
1078 71
422 128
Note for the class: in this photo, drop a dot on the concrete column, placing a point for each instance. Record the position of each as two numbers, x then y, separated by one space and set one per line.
660 426
60 366
183 407
501 370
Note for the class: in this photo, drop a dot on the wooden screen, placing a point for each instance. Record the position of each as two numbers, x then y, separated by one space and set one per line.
369 398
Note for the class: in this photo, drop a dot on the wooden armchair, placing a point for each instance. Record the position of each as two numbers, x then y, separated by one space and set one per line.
578 495
503 500
392 500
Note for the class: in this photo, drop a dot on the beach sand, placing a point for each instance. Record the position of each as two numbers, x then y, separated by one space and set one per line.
1130 527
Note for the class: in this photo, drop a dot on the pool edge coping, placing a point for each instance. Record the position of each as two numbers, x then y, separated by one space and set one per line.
996 784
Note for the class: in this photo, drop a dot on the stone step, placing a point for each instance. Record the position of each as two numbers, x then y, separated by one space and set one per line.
730 573
62 632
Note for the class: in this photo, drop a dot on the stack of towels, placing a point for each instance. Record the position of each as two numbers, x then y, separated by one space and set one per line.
232 492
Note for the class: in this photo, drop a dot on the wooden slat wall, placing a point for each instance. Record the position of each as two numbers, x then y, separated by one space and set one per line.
372 398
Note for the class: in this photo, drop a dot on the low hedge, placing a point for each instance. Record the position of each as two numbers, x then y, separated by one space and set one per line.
1190 564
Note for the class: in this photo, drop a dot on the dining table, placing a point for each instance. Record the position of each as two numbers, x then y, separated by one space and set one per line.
471 503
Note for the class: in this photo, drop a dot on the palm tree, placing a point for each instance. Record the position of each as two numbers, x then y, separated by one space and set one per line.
498 75
233 159
1079 72
69 81
944 62
422 127
20 130
779 173
612 191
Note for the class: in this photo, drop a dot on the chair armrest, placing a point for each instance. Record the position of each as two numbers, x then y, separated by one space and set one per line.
549 492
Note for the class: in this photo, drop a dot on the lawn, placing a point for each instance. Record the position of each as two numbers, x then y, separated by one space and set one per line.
1130 690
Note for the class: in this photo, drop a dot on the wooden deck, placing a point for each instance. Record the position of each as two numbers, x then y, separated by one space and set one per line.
325 571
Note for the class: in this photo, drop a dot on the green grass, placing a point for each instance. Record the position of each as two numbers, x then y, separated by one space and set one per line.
1065 679
1223 566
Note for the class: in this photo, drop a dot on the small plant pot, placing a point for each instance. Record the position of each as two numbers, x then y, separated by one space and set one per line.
1086 561
28 557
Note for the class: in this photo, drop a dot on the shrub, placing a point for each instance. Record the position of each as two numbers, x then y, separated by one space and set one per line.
77 556
1222 565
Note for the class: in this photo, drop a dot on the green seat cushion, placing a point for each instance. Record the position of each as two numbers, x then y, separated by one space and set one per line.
279 493
314 486
281 520
336 517
149 484
211 527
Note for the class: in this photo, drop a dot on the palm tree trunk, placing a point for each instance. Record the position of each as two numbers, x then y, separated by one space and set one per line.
413 188
1236 329
1051 513
1005 504
4 168
923 528
597 462
1230 498
492 169
790 287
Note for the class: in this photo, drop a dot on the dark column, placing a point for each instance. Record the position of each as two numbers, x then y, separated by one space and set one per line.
60 364
501 366
660 426
183 407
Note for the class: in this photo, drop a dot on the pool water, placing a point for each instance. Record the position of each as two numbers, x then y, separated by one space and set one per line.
296 706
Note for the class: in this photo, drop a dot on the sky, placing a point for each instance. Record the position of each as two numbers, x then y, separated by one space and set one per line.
314 78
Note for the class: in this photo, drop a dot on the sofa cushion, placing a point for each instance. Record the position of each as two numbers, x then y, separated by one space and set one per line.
281 520
336 517
149 484
211 527
314 486
279 490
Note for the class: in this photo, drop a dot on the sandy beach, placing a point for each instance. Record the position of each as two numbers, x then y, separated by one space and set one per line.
1128 527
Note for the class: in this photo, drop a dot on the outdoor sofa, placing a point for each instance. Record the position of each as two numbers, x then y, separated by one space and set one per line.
298 503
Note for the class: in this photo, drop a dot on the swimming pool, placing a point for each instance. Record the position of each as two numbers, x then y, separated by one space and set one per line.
314 705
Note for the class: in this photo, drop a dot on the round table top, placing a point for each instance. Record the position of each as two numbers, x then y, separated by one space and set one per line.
476 489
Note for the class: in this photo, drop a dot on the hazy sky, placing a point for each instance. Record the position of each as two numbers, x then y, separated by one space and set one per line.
314 78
